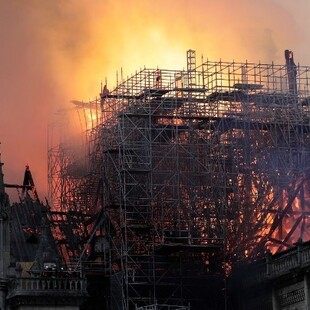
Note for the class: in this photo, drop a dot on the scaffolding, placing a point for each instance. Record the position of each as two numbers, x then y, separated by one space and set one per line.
194 170
73 178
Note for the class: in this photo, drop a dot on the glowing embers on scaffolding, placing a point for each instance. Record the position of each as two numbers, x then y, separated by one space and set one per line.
279 217
291 216
258 176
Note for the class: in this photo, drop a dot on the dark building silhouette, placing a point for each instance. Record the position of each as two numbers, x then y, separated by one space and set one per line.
174 196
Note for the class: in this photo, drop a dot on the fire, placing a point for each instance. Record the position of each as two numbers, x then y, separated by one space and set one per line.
291 217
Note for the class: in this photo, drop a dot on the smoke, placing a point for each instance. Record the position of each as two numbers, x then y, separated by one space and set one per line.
55 51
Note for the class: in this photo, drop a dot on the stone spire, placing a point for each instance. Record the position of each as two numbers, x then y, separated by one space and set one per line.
4 239
4 198
2 192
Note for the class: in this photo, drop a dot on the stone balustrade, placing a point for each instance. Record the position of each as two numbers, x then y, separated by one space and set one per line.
282 263
35 285
279 264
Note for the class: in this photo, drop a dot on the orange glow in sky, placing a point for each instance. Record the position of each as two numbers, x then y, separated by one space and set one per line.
53 52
